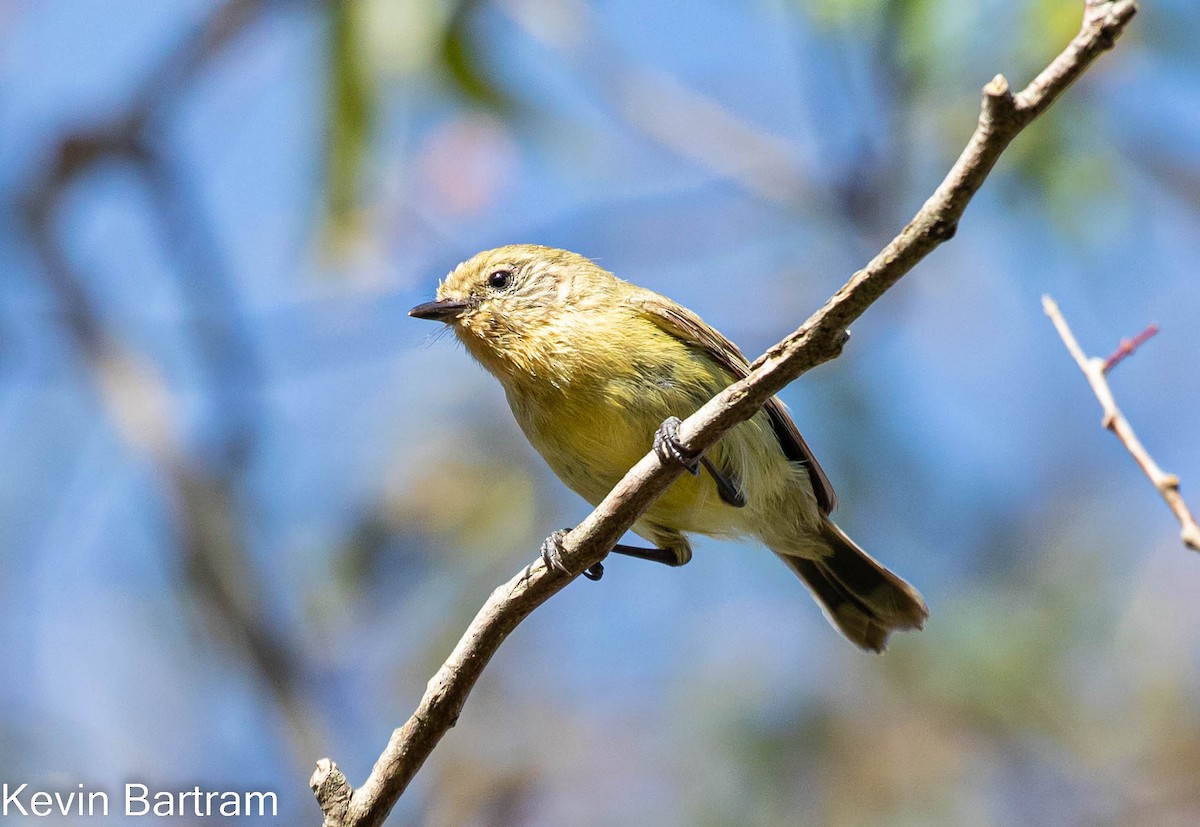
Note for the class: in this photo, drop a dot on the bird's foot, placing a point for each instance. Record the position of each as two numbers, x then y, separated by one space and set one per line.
552 550
666 445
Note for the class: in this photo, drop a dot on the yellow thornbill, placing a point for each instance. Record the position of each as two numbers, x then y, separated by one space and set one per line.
597 370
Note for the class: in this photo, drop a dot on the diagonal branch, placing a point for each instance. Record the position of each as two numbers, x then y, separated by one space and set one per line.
818 340
1095 369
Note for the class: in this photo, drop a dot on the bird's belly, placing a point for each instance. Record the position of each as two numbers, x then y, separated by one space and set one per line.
590 447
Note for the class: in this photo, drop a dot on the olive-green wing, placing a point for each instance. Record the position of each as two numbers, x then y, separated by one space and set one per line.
686 326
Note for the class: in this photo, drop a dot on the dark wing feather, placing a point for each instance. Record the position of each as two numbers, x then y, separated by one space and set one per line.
686 326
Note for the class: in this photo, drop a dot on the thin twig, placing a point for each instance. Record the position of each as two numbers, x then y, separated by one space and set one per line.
1094 369
1129 346
820 339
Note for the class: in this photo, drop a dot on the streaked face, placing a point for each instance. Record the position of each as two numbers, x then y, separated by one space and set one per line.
498 294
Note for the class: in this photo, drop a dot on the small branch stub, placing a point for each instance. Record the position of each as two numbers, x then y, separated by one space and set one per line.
998 100
333 792
1095 370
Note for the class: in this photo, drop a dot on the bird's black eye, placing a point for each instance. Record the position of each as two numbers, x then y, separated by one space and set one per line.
499 279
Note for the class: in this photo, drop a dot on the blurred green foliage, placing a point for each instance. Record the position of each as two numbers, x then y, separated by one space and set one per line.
351 112
460 55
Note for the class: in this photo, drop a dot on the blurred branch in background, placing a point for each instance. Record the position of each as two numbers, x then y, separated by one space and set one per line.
1096 369
681 120
211 514
1003 116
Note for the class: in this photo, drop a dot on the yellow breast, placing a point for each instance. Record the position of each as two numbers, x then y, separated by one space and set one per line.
593 414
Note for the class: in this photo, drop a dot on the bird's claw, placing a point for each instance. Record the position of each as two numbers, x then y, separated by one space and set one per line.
552 549
666 445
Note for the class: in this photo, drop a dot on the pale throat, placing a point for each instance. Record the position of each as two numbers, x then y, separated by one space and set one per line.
550 357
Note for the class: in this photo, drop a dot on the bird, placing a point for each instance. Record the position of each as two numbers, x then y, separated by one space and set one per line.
598 371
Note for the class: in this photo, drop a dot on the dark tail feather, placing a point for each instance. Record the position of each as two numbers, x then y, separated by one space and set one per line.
859 596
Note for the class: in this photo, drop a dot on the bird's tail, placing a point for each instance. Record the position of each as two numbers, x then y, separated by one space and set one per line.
858 595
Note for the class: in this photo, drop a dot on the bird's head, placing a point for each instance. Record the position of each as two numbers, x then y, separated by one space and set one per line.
512 302
510 292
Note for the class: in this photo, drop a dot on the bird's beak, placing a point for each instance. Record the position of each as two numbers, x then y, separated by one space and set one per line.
443 310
